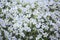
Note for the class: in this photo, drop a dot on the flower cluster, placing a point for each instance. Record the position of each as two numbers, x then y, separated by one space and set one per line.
29 19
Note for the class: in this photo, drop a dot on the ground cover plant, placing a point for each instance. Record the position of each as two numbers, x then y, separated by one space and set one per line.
29 19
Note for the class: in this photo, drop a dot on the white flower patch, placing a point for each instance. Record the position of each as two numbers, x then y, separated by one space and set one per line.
29 19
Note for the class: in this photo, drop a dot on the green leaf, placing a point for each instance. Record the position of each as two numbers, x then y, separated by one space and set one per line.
40 39
19 10
56 0
52 10
45 38
0 10
24 5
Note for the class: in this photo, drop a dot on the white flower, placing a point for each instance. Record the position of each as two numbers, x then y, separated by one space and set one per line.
27 29
51 2
14 38
38 25
45 34
28 7
31 37
41 30
31 1
1 5
16 25
2 23
51 29
46 27
33 21
38 36
42 20
53 37
32 6
22 34
6 34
